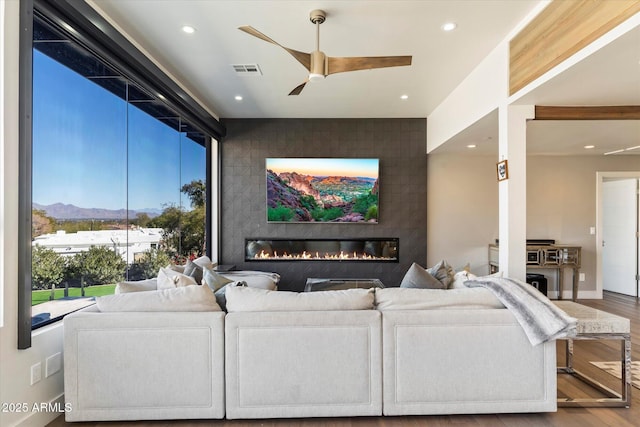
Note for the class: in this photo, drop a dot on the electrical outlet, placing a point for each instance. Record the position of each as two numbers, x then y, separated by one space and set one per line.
581 277
36 373
52 364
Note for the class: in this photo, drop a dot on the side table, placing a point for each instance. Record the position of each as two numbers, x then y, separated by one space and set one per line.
596 324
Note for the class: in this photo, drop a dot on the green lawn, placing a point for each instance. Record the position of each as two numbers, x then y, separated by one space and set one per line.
38 297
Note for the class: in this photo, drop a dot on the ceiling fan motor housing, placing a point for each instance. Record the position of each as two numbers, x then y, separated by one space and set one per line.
317 16
318 69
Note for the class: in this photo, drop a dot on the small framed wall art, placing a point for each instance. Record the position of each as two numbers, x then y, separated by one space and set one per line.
502 170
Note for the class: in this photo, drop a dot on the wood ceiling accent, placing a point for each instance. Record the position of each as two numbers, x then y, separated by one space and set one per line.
622 112
563 28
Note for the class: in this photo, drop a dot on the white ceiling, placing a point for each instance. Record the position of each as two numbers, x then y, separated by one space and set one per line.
202 61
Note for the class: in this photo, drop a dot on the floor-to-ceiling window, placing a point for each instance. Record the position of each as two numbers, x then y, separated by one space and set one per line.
118 178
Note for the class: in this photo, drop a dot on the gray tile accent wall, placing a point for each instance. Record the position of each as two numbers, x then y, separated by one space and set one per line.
400 144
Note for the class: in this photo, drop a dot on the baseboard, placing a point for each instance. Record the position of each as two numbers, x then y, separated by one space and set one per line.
43 413
567 295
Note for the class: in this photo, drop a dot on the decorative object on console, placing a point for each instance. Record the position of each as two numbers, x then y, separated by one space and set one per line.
322 190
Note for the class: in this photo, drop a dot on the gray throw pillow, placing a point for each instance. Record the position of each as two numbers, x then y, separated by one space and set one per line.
418 277
194 270
214 280
443 272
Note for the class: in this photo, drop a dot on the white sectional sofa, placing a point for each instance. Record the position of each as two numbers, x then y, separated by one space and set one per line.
143 366
321 354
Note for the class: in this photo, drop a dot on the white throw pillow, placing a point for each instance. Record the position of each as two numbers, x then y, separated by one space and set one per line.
168 278
462 276
254 299
185 298
254 279
432 299
204 262
137 286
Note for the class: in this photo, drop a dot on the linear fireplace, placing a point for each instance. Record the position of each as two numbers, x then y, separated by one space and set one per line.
353 249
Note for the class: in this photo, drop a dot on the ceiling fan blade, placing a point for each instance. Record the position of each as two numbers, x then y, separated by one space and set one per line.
301 57
298 88
355 63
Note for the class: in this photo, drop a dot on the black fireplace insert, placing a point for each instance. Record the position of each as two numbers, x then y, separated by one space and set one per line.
353 249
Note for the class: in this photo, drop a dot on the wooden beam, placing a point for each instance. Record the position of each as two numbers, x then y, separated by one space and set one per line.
562 29
622 112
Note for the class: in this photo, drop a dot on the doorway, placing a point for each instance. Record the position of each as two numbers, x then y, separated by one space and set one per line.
618 242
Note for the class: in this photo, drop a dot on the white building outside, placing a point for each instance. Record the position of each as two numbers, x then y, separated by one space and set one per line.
129 244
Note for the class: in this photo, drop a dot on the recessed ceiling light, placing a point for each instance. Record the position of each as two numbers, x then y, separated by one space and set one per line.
449 26
404 97
471 146
589 147
238 98
188 29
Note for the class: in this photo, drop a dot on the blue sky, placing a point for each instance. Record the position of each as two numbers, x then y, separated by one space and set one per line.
80 143
325 167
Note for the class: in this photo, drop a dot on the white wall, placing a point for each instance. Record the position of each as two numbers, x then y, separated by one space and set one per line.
462 210
16 364
561 205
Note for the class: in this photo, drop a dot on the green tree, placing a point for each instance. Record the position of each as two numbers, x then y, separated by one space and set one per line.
170 220
142 219
364 202
100 265
280 213
184 231
47 268
197 192
41 223
149 263
372 213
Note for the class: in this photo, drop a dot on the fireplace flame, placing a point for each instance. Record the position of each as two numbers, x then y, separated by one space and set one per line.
308 256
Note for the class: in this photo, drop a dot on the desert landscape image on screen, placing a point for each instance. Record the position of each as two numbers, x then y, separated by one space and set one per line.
322 190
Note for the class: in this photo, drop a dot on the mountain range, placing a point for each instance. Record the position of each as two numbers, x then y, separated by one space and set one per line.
70 212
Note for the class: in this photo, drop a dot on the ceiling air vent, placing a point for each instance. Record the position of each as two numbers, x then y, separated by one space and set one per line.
247 69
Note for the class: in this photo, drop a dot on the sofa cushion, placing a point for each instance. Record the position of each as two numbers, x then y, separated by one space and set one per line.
253 299
168 278
418 277
184 298
137 286
425 299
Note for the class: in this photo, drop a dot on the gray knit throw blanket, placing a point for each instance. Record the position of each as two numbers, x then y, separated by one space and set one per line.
540 318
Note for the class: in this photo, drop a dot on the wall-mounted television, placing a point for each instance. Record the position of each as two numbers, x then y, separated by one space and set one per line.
322 190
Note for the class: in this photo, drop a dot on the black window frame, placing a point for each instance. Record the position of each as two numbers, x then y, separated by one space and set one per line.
85 26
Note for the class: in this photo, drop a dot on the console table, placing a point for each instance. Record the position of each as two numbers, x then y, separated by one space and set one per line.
596 324
316 284
555 257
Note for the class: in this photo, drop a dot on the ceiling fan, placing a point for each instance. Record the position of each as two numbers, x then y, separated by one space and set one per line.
320 65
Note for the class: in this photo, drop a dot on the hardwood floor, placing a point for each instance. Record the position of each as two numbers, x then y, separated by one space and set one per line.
585 351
